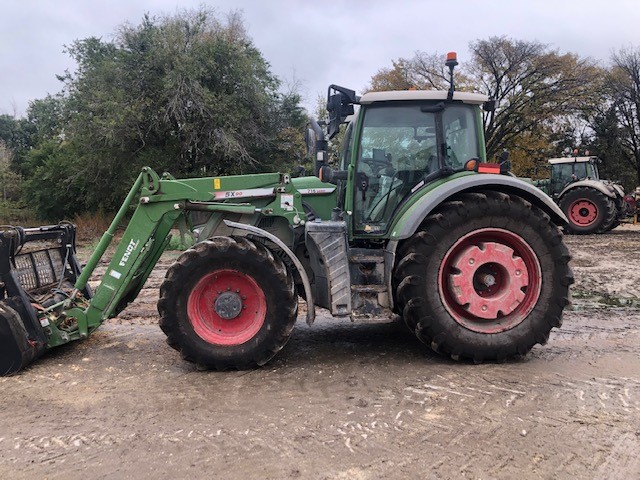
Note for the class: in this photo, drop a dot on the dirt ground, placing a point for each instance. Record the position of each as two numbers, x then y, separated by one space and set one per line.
343 400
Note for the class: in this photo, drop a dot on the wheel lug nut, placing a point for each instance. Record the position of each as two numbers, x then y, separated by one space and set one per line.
471 261
237 290
484 308
518 272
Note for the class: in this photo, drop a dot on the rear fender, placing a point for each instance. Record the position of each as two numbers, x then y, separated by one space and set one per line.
405 226
618 188
601 187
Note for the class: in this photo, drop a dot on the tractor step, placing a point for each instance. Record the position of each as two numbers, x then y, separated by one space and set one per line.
369 288
366 258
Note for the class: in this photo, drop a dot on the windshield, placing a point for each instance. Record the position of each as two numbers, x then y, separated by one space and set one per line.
400 144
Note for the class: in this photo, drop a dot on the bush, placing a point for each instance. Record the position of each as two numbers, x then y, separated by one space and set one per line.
16 213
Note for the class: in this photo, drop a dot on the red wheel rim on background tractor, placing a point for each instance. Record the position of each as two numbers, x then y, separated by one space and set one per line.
490 280
583 212
226 307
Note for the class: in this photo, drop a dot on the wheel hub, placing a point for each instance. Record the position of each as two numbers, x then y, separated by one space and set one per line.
583 212
487 280
228 305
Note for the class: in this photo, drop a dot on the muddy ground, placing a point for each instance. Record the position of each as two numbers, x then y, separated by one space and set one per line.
342 400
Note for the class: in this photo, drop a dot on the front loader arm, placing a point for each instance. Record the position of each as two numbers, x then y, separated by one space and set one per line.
45 300
137 253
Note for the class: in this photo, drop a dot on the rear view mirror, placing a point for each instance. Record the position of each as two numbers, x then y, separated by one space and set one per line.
339 106
490 105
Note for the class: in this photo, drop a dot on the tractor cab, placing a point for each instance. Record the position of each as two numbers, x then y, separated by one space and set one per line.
572 169
403 140
396 145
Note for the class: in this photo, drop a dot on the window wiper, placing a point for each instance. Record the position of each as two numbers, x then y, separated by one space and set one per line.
438 107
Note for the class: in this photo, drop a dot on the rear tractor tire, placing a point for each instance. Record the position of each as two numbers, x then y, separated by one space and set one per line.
485 278
228 303
588 211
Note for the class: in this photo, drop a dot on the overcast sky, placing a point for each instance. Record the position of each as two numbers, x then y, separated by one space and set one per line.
314 42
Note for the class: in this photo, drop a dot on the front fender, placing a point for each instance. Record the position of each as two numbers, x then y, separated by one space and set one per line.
406 225
311 311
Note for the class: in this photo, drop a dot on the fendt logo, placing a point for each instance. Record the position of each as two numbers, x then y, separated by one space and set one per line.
130 248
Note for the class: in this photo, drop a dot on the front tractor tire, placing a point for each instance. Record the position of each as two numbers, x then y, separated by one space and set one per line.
485 278
228 303
588 211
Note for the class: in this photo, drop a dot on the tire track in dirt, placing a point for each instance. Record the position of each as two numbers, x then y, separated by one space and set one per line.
341 401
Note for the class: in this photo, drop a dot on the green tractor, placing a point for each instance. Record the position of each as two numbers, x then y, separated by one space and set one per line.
592 205
414 223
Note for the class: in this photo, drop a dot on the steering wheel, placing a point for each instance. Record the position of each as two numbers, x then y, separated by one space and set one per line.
377 165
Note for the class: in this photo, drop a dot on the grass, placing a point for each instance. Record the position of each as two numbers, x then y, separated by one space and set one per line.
91 226
588 299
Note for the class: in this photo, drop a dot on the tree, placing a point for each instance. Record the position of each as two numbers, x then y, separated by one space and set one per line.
9 180
399 77
606 141
187 93
532 84
624 85
538 90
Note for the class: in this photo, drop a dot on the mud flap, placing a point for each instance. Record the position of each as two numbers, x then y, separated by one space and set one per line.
16 349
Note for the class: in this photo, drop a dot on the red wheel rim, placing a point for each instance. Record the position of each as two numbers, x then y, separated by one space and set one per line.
226 307
490 280
583 212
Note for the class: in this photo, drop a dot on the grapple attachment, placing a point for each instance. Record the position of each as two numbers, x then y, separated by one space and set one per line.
38 268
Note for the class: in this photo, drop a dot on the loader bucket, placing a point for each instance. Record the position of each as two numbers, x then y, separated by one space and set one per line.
38 268
17 350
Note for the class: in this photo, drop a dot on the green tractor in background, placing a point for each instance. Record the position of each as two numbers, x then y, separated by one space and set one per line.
592 205
413 223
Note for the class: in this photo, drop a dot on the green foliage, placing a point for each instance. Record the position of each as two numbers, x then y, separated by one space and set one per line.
16 213
57 187
188 93
181 242
10 182
12 210
606 142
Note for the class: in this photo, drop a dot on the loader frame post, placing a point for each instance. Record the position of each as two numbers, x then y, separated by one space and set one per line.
107 237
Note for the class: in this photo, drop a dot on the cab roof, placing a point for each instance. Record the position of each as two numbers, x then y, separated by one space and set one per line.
554 161
405 95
